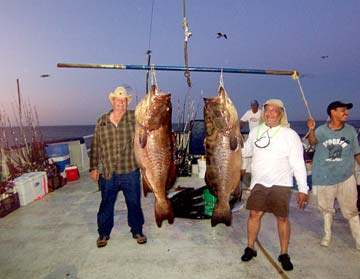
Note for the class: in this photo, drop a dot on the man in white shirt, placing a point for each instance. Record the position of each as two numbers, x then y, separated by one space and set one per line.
277 156
252 116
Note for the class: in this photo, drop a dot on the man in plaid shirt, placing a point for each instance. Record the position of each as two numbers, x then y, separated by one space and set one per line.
113 148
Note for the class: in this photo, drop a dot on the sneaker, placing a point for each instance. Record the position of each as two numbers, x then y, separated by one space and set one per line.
102 241
248 254
140 238
286 264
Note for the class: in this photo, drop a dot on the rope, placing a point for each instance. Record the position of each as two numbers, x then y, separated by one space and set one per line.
272 261
148 52
147 72
187 35
296 77
221 82
153 75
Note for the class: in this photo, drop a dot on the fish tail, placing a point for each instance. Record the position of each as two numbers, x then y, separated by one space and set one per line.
221 214
163 211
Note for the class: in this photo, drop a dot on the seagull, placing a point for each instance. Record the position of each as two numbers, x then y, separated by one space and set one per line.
45 75
324 56
219 35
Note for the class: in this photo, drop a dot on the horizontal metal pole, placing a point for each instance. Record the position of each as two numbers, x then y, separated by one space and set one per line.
177 68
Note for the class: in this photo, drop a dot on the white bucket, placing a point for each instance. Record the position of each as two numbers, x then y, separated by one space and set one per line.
202 167
194 169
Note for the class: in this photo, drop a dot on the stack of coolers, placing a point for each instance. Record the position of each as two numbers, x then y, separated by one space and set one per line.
58 155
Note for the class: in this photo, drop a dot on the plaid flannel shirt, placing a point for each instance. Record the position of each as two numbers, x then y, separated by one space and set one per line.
113 146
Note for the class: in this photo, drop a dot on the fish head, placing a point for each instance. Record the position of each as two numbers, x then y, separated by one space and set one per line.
154 110
219 113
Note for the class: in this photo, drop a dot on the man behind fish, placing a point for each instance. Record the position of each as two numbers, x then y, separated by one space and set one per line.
113 147
277 156
252 116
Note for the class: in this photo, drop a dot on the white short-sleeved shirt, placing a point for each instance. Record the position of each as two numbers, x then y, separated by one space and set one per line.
252 118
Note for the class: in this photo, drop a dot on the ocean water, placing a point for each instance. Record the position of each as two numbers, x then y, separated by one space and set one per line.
52 133
57 133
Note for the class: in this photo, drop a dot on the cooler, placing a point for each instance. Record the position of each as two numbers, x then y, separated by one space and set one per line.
24 189
31 186
72 173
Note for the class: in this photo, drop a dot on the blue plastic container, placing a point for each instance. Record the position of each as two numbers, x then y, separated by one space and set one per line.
57 150
61 161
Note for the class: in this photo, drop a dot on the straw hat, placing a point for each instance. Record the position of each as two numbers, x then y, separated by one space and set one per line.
280 104
120 92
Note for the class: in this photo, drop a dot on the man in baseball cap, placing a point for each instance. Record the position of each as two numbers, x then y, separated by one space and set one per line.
336 149
338 104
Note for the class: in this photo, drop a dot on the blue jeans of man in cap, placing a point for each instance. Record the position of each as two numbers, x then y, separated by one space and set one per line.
129 183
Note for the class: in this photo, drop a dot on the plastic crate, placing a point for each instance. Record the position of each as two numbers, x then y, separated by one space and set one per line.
9 204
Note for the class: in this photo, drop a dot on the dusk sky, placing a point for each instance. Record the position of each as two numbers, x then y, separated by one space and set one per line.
320 39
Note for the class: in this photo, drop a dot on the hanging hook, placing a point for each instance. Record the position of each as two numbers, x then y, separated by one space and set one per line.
153 75
221 83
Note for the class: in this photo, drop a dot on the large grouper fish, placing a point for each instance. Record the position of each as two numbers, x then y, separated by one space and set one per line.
154 150
223 143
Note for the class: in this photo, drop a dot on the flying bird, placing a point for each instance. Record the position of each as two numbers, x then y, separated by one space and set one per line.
45 75
324 56
219 35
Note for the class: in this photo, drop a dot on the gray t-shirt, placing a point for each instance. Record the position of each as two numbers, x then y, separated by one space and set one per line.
334 159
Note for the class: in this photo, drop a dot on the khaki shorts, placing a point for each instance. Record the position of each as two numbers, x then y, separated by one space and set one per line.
273 199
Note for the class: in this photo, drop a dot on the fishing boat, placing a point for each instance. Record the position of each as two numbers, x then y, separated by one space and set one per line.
54 237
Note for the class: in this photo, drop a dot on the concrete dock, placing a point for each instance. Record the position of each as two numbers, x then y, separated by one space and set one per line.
56 238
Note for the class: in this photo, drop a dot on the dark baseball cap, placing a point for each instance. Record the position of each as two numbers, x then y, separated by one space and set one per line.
338 104
254 102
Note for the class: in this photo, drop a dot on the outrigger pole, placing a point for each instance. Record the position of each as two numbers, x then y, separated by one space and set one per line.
178 68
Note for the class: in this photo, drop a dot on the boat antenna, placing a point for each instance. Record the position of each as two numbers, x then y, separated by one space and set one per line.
187 35
148 52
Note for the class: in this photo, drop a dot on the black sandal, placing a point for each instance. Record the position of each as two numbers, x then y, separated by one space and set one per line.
140 238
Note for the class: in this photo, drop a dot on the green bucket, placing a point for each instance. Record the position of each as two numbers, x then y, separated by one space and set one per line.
209 202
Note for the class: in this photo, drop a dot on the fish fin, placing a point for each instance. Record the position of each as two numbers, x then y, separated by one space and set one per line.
233 142
163 211
143 139
221 214
146 187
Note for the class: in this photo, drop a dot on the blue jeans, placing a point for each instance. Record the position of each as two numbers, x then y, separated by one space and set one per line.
129 183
